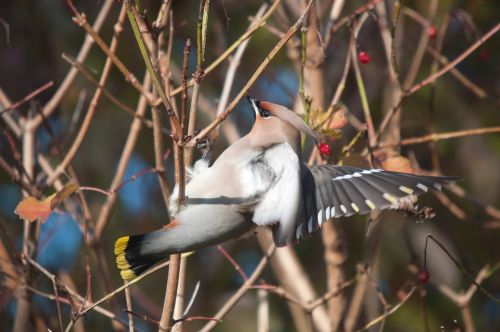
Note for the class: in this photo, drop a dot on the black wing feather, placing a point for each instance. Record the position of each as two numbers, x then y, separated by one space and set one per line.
338 191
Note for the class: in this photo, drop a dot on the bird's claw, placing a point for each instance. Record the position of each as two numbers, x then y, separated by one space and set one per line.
205 146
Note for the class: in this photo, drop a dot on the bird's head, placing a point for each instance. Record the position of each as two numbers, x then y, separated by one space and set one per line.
276 124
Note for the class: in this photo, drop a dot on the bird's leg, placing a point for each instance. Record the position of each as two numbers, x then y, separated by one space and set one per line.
204 145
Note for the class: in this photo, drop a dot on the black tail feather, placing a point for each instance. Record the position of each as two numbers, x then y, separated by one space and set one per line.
134 254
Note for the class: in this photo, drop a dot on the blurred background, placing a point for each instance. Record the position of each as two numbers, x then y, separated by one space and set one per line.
35 34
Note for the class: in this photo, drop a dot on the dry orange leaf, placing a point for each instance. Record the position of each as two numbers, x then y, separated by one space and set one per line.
398 164
31 209
339 120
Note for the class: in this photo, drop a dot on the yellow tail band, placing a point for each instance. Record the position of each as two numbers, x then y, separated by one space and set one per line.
121 260
121 245
128 275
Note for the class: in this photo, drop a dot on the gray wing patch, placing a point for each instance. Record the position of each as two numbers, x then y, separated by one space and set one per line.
343 191
378 189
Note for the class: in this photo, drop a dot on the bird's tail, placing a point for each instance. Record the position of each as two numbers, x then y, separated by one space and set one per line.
136 253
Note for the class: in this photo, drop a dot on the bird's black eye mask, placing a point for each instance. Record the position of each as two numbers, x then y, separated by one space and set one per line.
264 113
258 108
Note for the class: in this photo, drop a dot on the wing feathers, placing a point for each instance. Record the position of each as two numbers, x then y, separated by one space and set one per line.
372 195
344 191
334 200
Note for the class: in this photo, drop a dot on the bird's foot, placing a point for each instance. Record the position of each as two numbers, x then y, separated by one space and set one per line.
204 145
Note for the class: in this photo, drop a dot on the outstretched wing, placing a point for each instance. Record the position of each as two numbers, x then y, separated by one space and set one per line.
344 191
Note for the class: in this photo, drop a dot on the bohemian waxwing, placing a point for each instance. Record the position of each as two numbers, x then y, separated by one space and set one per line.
262 180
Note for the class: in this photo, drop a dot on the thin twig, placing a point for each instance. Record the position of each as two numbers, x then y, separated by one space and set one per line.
308 306
240 292
361 86
184 95
420 48
166 320
478 91
341 84
395 308
254 77
58 305
54 102
128 148
14 175
262 311
390 37
139 26
143 317
122 288
441 136
191 301
433 77
234 63
95 306
337 6
158 139
234 46
455 62
81 67
28 97
233 262
201 39
294 279
459 266
81 20
29 239
347 19
128 300
93 104
473 87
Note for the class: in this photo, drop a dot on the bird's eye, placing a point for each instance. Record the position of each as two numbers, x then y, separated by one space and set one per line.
265 114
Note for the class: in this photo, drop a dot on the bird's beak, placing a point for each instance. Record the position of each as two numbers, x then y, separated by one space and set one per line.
254 103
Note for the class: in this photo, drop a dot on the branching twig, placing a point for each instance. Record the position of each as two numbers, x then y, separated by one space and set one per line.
93 104
166 320
81 20
254 77
81 67
128 148
458 265
138 25
455 62
82 55
233 66
234 46
433 77
381 318
241 291
201 40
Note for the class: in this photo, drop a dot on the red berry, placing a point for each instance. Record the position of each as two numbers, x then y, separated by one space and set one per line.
424 276
324 149
364 57
431 32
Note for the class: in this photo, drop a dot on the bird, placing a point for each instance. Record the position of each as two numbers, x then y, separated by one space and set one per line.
263 180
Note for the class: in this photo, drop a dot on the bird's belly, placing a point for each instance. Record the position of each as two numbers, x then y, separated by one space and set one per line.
210 224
